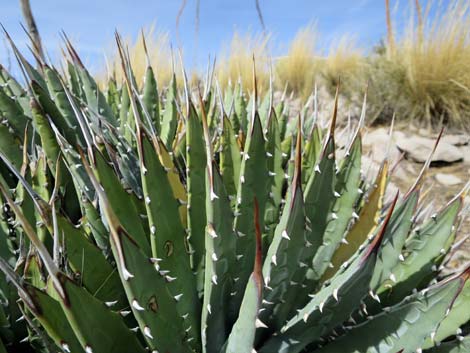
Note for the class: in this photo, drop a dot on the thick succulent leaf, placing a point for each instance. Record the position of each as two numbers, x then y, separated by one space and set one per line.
285 267
12 114
276 177
319 201
50 315
196 188
167 235
458 316
89 265
52 109
150 98
365 225
240 108
96 226
95 99
97 328
346 193
124 111
461 345
113 96
242 337
253 184
10 146
427 247
74 82
177 186
394 240
60 99
13 88
405 326
121 202
311 154
152 303
71 159
220 264
47 135
169 120
331 305
230 159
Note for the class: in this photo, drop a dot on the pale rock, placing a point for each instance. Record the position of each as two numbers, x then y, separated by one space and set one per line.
447 179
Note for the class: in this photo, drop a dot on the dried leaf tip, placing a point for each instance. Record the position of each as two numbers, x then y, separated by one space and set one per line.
376 243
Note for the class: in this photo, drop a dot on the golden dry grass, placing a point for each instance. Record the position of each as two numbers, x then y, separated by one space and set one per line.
300 67
236 61
422 72
425 73
345 61
160 54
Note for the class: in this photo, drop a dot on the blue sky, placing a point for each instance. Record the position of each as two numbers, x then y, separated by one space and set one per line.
91 23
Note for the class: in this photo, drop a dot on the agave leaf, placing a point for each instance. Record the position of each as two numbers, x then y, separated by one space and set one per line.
320 196
150 98
240 108
366 223
50 315
152 303
426 250
405 326
113 96
135 267
169 120
48 140
85 259
89 264
12 114
167 235
14 89
94 97
230 159
346 192
71 159
73 299
177 186
74 81
124 110
220 264
394 240
319 200
284 268
276 180
311 153
96 226
97 328
460 345
242 337
252 184
332 304
458 316
10 147
121 202
51 109
196 188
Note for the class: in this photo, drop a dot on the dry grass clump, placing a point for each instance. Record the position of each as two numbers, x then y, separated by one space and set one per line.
424 75
236 62
300 67
159 52
346 61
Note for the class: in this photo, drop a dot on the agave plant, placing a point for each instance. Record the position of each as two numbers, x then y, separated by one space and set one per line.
137 221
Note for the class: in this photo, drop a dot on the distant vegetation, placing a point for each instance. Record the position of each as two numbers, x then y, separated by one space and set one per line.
420 72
